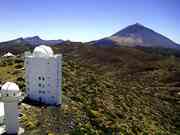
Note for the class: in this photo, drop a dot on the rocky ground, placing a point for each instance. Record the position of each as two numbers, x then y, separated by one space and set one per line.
105 91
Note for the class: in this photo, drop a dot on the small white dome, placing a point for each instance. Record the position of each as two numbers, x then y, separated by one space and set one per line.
43 51
10 86
8 55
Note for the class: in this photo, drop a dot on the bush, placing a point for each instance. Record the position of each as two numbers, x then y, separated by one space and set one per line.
19 66
18 61
21 82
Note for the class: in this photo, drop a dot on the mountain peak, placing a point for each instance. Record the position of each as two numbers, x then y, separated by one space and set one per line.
138 24
133 29
139 35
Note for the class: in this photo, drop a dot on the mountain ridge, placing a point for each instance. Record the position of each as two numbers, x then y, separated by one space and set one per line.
135 35
36 40
32 41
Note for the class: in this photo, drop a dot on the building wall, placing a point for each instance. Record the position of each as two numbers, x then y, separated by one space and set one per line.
1 113
11 117
43 79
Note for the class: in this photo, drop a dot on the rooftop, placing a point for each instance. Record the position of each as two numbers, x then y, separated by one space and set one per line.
10 86
43 51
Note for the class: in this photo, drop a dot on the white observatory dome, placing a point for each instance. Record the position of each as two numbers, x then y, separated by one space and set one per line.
10 86
9 91
43 51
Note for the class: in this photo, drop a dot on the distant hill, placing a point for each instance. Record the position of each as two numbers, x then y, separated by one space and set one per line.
137 35
32 41
36 40
16 46
20 45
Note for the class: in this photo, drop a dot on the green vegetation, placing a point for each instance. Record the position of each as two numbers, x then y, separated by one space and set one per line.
124 91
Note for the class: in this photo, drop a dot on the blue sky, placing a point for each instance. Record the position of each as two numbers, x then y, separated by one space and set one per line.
85 20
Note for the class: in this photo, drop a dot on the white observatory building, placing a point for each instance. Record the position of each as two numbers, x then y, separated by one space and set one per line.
10 95
43 75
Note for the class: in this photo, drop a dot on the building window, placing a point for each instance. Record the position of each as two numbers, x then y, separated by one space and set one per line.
39 85
14 94
43 78
39 78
